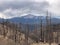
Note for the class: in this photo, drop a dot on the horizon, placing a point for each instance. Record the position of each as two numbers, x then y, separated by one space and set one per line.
30 16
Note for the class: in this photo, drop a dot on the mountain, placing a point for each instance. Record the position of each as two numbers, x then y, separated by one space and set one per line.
27 19
31 19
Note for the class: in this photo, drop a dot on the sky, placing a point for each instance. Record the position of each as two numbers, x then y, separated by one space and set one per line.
18 8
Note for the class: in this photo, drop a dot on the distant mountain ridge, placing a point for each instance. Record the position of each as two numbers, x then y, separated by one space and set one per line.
31 19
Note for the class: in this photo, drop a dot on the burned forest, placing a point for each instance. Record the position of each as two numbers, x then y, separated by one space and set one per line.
30 34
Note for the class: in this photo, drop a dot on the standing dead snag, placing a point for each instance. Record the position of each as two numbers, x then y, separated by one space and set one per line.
47 27
15 33
41 32
50 30
3 32
35 32
19 28
6 23
27 34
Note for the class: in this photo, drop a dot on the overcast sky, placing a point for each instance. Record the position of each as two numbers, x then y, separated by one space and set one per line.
17 8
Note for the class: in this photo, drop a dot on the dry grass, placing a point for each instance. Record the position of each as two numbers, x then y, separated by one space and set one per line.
7 40
43 44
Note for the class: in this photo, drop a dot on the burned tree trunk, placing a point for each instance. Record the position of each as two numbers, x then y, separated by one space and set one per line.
27 34
50 31
7 23
41 32
19 28
47 27
3 32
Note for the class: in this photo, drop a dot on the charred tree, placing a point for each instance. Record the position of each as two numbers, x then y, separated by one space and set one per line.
27 34
47 23
3 32
42 32
7 23
50 31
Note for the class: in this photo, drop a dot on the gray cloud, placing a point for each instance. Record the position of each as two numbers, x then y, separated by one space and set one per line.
19 5
17 8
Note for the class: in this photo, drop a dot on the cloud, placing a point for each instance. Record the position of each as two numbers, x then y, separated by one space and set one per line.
20 4
55 7
17 8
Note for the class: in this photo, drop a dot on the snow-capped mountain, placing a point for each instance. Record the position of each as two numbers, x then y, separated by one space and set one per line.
28 16
32 19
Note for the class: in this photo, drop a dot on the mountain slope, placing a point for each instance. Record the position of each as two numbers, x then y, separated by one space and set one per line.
31 19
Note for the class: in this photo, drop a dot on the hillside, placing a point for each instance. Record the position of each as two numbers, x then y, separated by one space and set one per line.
11 34
31 19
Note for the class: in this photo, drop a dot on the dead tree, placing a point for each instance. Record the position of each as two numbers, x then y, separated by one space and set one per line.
27 34
3 32
7 23
41 32
36 33
47 23
48 19
19 28
15 33
50 31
